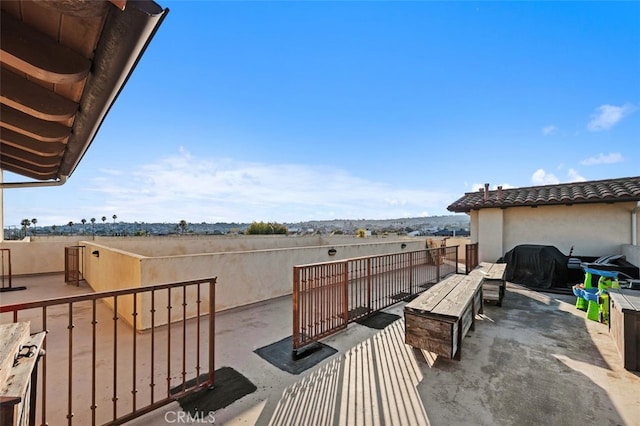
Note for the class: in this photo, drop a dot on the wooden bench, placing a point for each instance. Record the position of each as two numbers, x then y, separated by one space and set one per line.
493 284
624 325
438 319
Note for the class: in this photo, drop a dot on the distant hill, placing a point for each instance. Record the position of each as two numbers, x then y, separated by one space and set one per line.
417 225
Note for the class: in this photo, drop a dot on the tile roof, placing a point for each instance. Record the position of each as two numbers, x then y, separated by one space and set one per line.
598 191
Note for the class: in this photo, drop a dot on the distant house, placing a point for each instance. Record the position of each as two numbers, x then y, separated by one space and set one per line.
594 217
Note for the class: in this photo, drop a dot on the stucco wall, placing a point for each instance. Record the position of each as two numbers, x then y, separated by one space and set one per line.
632 253
490 234
45 255
113 269
242 277
36 256
188 244
592 229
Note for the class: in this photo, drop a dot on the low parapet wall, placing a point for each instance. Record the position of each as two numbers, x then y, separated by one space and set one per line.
243 277
43 255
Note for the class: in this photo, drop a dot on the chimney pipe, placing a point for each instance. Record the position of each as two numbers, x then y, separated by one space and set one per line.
486 191
500 193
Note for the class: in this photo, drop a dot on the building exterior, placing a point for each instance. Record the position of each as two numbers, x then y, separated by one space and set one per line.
594 217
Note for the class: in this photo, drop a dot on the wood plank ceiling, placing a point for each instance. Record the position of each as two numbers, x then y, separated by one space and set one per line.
47 49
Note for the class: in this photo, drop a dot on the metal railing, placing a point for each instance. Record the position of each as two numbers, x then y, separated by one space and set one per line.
327 296
471 257
73 264
108 353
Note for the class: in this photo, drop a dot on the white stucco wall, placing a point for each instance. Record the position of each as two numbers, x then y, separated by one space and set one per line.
592 229
38 256
490 234
45 255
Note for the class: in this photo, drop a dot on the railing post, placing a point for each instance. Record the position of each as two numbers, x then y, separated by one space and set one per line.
457 247
411 272
369 284
212 331
345 284
296 309
437 264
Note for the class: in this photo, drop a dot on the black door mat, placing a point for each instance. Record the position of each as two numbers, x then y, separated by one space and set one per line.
379 320
281 355
229 386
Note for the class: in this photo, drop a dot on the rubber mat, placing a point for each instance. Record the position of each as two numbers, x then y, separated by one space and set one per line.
379 320
229 386
281 355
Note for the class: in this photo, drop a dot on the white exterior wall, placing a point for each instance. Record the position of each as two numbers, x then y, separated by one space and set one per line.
592 229
490 229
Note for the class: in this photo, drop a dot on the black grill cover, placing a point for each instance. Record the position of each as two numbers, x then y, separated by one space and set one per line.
536 266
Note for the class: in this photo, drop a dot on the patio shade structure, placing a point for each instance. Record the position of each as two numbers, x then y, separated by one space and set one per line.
63 65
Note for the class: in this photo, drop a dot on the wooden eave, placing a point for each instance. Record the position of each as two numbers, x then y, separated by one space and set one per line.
63 63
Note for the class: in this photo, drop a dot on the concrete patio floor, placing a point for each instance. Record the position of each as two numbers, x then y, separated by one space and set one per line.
535 360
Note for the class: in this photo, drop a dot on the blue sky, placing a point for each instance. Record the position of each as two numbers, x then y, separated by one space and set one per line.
294 111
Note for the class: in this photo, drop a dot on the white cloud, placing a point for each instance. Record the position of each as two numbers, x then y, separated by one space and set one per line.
540 177
549 130
203 189
611 158
574 176
607 116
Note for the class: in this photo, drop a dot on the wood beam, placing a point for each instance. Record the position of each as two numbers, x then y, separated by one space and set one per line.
45 131
25 143
33 99
32 159
37 55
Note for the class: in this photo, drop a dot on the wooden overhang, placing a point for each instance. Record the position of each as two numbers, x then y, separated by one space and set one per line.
63 64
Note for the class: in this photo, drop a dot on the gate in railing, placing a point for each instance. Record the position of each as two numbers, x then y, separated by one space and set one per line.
471 257
73 258
327 296
113 356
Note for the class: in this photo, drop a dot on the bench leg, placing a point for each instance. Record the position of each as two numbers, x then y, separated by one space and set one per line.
457 356
501 293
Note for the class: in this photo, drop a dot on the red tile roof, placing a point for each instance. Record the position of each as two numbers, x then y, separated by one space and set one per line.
598 191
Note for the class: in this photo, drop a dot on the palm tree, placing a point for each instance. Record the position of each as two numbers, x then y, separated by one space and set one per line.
54 228
34 221
93 226
25 224
70 225
84 227
114 217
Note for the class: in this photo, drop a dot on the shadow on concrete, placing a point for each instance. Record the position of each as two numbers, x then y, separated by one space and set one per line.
372 383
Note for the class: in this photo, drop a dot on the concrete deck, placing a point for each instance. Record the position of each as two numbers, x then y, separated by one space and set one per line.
535 360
